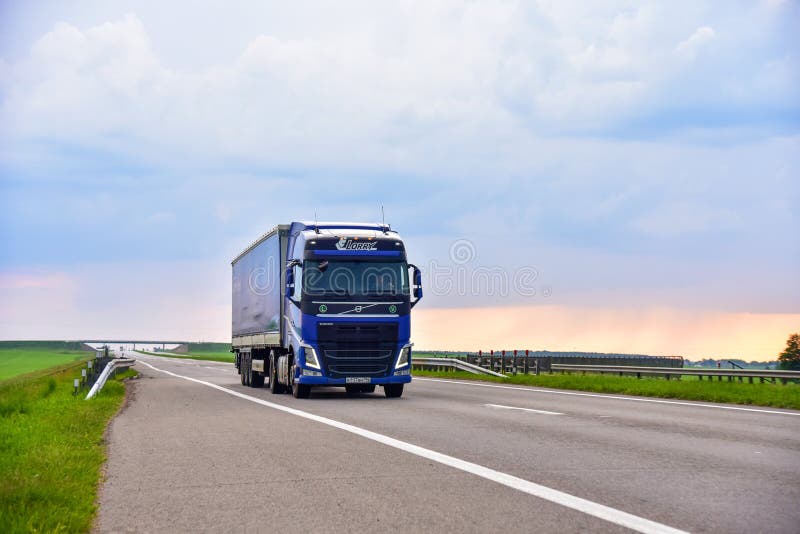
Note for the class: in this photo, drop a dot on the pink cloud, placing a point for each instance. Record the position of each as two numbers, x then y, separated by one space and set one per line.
35 280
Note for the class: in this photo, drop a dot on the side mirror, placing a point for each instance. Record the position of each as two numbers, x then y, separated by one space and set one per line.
290 277
417 285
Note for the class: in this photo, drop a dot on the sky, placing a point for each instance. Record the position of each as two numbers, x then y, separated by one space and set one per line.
599 176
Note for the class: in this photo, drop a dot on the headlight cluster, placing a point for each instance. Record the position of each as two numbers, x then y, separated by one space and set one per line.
403 358
310 356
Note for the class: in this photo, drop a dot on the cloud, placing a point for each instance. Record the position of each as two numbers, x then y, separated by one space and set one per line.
36 301
161 217
125 298
467 75
630 152
35 280
689 48
679 218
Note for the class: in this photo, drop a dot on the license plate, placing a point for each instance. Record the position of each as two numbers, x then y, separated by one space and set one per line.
357 380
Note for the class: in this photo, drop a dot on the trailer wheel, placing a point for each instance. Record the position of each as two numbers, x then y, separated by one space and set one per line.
301 391
248 369
242 377
393 391
274 386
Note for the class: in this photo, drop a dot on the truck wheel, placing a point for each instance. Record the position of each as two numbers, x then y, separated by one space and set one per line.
393 391
246 370
301 391
242 377
274 386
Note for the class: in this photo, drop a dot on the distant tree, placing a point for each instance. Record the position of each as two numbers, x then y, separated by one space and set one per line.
790 358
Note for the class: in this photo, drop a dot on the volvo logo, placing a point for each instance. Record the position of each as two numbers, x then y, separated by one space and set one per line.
358 309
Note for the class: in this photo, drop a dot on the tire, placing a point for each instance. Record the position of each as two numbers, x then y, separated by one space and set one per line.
242 377
301 391
274 386
246 371
393 391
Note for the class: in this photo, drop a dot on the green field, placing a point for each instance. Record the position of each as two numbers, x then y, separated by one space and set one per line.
17 358
776 395
208 347
52 450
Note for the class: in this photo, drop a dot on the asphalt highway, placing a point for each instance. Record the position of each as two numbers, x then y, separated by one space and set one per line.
195 450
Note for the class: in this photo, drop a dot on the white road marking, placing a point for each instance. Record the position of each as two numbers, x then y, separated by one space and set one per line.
602 396
214 368
503 407
606 513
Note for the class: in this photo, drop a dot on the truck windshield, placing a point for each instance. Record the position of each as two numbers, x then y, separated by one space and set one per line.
349 278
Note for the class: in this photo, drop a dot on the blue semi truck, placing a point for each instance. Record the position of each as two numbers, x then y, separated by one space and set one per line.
324 304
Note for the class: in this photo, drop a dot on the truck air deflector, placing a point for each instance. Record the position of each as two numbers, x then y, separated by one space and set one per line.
390 253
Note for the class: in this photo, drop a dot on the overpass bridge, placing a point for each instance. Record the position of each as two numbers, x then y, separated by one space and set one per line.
179 346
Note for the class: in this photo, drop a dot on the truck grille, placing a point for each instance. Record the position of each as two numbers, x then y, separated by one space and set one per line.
357 349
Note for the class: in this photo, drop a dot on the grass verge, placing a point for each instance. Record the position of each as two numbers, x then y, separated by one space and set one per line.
775 395
52 451
226 357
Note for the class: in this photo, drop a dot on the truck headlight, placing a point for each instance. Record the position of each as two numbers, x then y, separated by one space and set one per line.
403 358
310 356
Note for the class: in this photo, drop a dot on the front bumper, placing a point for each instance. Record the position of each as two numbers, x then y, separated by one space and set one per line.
313 370
325 381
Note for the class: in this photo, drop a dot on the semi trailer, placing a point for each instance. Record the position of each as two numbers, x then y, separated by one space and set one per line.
324 304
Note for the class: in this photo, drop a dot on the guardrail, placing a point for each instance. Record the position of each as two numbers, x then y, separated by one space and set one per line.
669 372
521 358
453 363
639 371
117 363
525 362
